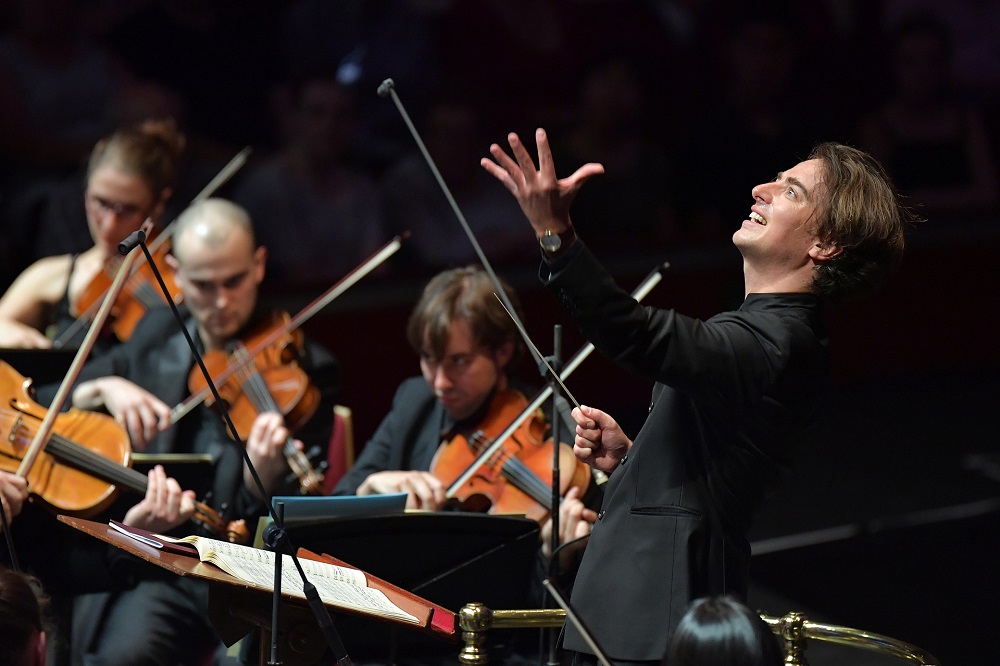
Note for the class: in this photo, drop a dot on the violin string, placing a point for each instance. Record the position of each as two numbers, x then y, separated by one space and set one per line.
95 464
89 461
259 394
147 296
514 469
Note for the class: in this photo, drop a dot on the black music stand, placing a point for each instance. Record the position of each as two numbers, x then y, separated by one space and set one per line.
449 558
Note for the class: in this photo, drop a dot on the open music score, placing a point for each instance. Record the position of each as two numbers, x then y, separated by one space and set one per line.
369 596
338 586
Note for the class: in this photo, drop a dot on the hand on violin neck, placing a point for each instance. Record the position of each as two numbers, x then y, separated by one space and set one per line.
423 489
599 440
139 411
165 505
265 446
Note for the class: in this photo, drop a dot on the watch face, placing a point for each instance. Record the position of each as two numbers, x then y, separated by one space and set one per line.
550 242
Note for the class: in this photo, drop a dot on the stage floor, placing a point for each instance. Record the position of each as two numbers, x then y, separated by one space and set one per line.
890 521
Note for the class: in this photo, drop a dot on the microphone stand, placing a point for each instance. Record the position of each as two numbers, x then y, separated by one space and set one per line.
278 536
551 370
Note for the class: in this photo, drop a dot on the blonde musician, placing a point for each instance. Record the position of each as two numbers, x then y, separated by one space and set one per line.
130 177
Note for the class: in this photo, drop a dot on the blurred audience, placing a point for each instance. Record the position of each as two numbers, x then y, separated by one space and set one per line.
971 28
934 145
626 209
366 42
317 212
62 90
746 132
663 92
414 200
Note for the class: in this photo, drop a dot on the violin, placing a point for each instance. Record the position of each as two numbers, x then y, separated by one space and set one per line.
511 480
139 293
74 478
274 342
268 380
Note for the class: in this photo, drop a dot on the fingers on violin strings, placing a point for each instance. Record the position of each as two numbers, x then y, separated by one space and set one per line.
150 422
173 497
155 488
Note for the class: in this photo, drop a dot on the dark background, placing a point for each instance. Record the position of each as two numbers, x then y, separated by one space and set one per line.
888 522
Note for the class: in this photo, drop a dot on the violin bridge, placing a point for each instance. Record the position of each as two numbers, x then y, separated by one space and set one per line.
15 428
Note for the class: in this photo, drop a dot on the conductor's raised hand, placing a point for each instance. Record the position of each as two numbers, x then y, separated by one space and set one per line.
544 198
599 440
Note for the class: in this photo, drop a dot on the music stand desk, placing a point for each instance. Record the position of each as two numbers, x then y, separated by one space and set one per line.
237 607
448 557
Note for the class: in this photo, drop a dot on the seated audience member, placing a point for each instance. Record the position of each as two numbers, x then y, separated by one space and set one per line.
721 631
318 212
934 144
415 202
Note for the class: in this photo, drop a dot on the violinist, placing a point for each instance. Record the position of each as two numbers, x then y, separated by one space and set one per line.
467 344
219 268
130 177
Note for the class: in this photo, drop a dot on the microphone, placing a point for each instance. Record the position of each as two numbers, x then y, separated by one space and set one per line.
315 603
132 241
385 87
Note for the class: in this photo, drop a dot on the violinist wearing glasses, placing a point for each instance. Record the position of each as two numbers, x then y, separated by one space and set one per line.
218 268
131 175
468 344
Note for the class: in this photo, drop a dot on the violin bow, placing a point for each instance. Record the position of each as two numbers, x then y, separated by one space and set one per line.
45 428
331 294
218 181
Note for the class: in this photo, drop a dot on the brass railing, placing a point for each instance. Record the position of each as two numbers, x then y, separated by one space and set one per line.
795 629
